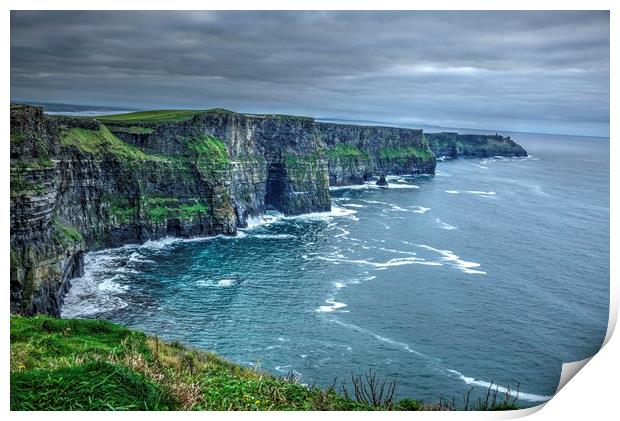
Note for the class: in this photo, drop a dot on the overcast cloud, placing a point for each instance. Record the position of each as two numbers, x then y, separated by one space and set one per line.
522 71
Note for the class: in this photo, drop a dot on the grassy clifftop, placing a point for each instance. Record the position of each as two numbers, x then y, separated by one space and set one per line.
70 364
59 364
155 116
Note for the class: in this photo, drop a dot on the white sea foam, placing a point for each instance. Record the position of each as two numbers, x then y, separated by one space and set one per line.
343 232
376 202
353 205
445 225
381 338
410 253
137 257
88 297
449 257
486 193
403 186
395 208
333 306
419 209
501 389
383 265
203 283
109 285
373 185
273 217
128 271
349 187
265 219
336 212
339 285
274 236
156 245
226 282
366 185
102 286
477 192
274 347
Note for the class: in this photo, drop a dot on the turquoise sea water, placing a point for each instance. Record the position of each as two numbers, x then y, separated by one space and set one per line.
492 270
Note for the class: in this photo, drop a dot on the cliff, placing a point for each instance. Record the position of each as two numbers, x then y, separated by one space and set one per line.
454 145
80 184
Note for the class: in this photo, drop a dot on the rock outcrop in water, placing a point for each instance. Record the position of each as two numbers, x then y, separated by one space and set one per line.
454 145
81 184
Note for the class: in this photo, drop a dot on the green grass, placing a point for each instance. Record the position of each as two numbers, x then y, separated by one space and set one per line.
344 151
71 364
154 116
132 129
408 152
60 364
160 209
95 386
208 149
120 210
157 209
101 142
65 233
171 116
17 138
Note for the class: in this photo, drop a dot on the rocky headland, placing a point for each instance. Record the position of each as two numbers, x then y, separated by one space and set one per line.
81 184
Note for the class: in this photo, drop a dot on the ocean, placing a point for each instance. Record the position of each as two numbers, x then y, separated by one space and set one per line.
493 271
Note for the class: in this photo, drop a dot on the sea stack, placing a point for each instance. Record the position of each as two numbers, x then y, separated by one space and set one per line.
382 181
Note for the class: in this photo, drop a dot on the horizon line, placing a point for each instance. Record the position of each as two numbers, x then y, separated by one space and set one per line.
497 131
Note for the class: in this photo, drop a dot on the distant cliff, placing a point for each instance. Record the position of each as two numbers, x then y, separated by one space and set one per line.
81 184
454 145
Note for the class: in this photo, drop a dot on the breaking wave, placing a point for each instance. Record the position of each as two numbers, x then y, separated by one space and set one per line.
333 306
501 389
445 225
451 258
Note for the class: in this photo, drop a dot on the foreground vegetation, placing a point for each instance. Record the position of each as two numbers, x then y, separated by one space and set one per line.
60 364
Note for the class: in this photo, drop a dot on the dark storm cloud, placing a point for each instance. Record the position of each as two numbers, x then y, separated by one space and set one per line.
539 71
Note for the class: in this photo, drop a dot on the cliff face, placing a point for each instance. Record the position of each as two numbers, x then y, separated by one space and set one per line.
80 184
357 153
454 145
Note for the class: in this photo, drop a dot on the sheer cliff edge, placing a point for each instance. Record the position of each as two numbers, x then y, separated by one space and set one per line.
80 184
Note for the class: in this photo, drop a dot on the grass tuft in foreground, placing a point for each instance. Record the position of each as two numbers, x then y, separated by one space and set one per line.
59 364
70 364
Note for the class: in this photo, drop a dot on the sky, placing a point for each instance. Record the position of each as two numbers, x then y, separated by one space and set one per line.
545 72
